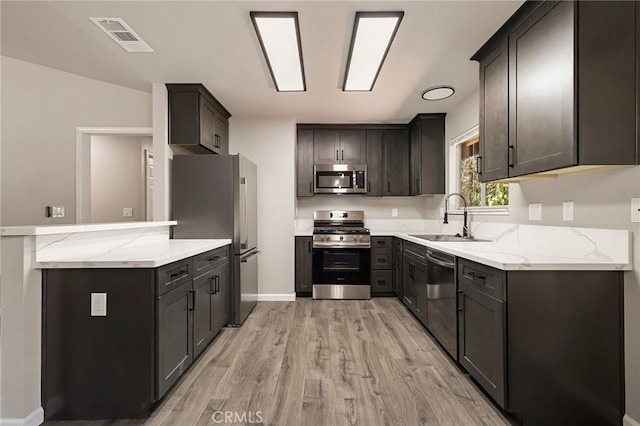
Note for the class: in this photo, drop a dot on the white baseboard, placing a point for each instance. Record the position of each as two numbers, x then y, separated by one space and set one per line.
627 420
34 419
287 297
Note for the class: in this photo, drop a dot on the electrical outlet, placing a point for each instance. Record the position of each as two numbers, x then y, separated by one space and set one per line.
394 212
127 212
98 304
567 211
56 211
535 211
635 210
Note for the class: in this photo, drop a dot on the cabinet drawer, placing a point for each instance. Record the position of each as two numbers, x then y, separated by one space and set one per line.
381 281
481 277
381 242
415 249
381 258
173 275
206 261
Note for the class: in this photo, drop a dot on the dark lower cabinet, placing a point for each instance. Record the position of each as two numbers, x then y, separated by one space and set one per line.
175 336
158 320
381 266
303 267
414 280
565 347
547 346
397 267
98 367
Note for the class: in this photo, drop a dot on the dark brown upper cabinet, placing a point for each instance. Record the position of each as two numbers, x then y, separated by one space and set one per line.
197 121
427 154
558 89
339 146
304 163
388 160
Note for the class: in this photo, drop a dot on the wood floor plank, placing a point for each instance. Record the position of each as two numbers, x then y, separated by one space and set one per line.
323 363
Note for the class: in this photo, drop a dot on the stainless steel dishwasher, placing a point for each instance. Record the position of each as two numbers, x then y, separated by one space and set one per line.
442 318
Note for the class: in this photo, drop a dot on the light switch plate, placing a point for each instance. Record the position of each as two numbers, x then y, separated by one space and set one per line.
635 210
535 211
98 304
567 211
127 212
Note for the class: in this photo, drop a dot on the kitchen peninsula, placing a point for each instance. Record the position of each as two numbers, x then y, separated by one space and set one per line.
27 250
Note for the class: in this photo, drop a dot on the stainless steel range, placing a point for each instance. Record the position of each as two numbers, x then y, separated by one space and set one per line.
341 255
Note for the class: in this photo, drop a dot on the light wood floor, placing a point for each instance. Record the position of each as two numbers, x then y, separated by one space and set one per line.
323 362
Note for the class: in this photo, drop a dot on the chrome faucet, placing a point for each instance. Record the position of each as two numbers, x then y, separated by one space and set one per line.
465 227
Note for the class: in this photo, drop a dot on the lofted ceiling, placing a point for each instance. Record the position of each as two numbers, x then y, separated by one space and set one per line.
214 43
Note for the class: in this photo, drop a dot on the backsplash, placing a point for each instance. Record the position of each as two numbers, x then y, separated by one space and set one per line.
374 207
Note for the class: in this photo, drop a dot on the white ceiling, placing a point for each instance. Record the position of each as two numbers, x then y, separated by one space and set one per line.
213 42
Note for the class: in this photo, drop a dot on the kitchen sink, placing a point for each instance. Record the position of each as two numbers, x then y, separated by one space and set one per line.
447 238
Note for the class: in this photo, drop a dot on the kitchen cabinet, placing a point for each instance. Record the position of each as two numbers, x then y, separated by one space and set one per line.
414 280
558 89
388 161
547 346
197 121
381 265
304 163
211 297
481 322
157 322
303 267
426 157
339 146
397 267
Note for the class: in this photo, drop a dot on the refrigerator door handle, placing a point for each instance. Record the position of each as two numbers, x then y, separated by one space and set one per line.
246 259
244 230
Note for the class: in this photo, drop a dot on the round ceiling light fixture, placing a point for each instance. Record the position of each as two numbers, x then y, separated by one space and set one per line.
438 93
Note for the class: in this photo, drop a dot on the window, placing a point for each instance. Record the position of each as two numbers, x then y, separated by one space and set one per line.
493 197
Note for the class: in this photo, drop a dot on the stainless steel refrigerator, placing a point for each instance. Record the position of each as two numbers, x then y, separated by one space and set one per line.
215 196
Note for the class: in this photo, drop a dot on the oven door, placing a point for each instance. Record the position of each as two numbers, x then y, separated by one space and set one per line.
341 273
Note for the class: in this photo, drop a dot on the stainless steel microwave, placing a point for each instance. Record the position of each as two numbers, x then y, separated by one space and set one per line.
340 178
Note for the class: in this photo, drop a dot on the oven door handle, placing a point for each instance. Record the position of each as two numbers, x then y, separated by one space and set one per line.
439 262
333 245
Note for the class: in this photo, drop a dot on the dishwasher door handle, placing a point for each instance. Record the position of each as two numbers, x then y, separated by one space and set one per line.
439 261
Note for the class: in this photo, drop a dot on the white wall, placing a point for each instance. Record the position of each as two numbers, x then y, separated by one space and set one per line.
41 108
271 145
117 177
374 207
602 200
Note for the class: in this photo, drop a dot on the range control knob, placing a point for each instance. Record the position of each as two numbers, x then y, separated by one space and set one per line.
341 238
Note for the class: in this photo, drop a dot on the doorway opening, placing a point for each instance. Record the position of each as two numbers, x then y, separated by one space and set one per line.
114 174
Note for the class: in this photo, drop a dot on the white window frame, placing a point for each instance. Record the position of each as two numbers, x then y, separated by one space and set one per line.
455 154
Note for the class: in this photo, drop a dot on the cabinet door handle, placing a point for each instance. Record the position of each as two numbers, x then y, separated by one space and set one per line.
310 187
382 260
460 304
418 184
180 274
388 186
368 186
212 286
336 155
343 155
191 301
217 284
478 168
309 246
475 276
510 159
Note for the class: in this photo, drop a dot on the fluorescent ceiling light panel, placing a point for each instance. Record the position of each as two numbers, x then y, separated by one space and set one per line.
372 35
279 36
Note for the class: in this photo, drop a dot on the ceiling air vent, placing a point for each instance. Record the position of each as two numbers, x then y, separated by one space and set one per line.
122 34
